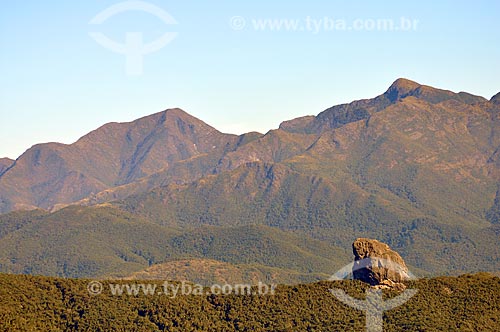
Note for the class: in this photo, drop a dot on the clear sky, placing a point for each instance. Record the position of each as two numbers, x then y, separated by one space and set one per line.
225 65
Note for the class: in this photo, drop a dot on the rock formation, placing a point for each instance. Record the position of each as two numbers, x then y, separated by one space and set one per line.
377 264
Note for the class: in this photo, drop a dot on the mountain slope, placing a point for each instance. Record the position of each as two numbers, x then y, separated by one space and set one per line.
209 272
5 163
113 155
339 115
419 172
122 159
102 241
416 167
495 99
438 241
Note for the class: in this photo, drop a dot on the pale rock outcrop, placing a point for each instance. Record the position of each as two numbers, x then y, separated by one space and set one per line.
377 264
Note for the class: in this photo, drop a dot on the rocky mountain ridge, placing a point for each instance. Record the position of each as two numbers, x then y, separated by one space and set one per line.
121 159
417 168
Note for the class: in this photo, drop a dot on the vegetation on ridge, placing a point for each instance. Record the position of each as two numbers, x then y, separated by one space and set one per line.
28 303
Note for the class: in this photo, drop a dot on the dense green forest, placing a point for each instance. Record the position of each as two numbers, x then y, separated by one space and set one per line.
75 242
31 303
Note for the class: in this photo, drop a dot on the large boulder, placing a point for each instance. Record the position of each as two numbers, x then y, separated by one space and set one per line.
377 264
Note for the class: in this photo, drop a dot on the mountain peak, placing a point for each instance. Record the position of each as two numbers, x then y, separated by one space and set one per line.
403 88
405 84
400 88
161 117
5 163
179 113
495 99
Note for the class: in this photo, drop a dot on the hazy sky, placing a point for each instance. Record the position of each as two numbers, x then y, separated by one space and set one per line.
223 66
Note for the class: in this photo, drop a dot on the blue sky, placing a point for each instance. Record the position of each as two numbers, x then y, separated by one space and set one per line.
57 83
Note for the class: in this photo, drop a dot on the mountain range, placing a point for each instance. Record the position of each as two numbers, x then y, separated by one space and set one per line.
416 167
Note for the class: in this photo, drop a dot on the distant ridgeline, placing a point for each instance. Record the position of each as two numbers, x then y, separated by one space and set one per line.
416 167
